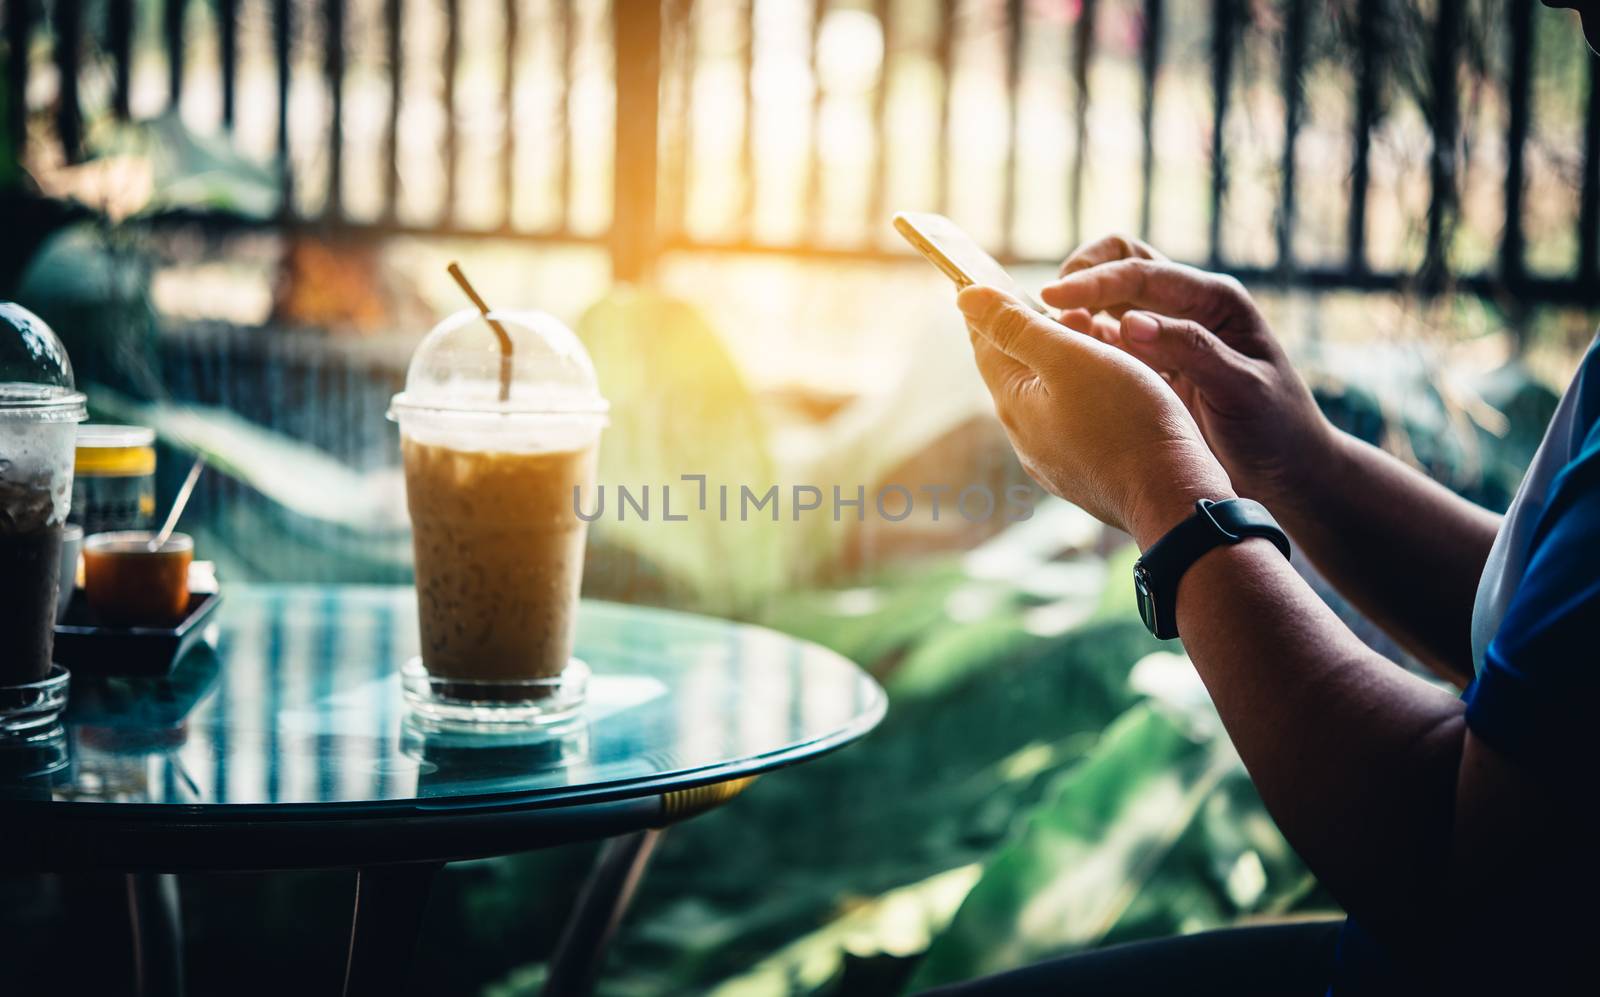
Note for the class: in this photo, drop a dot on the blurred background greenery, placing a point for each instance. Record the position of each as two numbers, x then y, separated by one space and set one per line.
1049 777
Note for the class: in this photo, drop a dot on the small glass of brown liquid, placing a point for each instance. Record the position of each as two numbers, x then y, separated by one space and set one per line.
129 584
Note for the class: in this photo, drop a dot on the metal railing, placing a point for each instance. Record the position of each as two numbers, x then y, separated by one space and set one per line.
649 51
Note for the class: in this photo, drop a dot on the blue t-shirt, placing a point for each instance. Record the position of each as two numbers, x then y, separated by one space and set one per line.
1535 628
1534 695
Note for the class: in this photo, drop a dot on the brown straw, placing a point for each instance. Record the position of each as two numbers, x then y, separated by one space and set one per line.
499 330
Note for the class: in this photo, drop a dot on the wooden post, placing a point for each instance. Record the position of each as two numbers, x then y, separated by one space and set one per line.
637 33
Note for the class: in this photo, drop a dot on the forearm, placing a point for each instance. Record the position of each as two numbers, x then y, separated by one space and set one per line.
1355 758
1402 548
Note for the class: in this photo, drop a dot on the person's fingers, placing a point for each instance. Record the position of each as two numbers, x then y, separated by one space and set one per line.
1108 248
1101 326
1183 348
1002 374
1078 320
1171 288
1108 329
1017 330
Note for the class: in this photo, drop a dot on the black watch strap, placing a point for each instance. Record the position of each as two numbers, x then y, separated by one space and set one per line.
1157 573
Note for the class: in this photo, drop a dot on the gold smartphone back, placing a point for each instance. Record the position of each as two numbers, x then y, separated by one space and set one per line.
956 255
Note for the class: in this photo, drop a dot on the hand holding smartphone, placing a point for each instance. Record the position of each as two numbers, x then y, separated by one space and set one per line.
956 255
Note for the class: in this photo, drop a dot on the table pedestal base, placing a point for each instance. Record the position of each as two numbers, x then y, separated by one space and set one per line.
135 918
389 904
610 888
390 901
157 924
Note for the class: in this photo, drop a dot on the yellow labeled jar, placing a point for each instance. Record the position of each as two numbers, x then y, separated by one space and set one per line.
114 478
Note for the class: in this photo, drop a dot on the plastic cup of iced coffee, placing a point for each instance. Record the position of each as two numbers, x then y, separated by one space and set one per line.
497 452
39 412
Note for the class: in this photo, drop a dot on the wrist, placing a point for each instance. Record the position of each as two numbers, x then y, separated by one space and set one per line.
1319 459
1164 506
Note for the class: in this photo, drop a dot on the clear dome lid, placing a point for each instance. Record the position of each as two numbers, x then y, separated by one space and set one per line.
36 382
538 367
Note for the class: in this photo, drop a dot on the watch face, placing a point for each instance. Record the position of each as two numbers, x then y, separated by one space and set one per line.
1145 598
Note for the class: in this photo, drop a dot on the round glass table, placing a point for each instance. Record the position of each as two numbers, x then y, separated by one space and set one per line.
283 743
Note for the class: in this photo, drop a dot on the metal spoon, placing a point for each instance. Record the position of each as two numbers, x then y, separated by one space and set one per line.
177 505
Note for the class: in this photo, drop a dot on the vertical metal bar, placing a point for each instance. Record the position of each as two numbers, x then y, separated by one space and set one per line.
1589 211
819 10
228 51
508 98
68 30
876 213
19 31
283 41
333 74
1518 86
1368 60
1083 52
684 48
636 28
394 15
155 922
119 29
1014 12
1221 75
173 36
564 174
1150 63
747 151
1293 102
944 52
452 58
1443 121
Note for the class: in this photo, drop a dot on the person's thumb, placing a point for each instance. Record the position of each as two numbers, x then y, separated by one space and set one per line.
1181 346
1013 328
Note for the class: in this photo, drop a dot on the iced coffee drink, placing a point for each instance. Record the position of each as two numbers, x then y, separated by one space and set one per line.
499 558
494 459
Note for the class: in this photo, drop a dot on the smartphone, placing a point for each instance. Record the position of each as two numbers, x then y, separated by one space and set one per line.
955 254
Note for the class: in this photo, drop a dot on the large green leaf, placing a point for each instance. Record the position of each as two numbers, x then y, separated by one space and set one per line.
925 625
960 651
898 922
1085 853
297 476
875 623
679 407
921 403
95 294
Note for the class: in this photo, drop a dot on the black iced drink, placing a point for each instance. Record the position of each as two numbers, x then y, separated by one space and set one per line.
30 565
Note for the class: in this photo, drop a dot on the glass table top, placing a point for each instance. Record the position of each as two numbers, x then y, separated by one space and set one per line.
298 707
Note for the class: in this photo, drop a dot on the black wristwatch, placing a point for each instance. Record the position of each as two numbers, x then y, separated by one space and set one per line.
1156 574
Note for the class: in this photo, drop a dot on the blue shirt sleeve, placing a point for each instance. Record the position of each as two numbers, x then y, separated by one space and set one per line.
1535 700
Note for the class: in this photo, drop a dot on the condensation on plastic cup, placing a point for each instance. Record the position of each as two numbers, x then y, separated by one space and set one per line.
40 408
